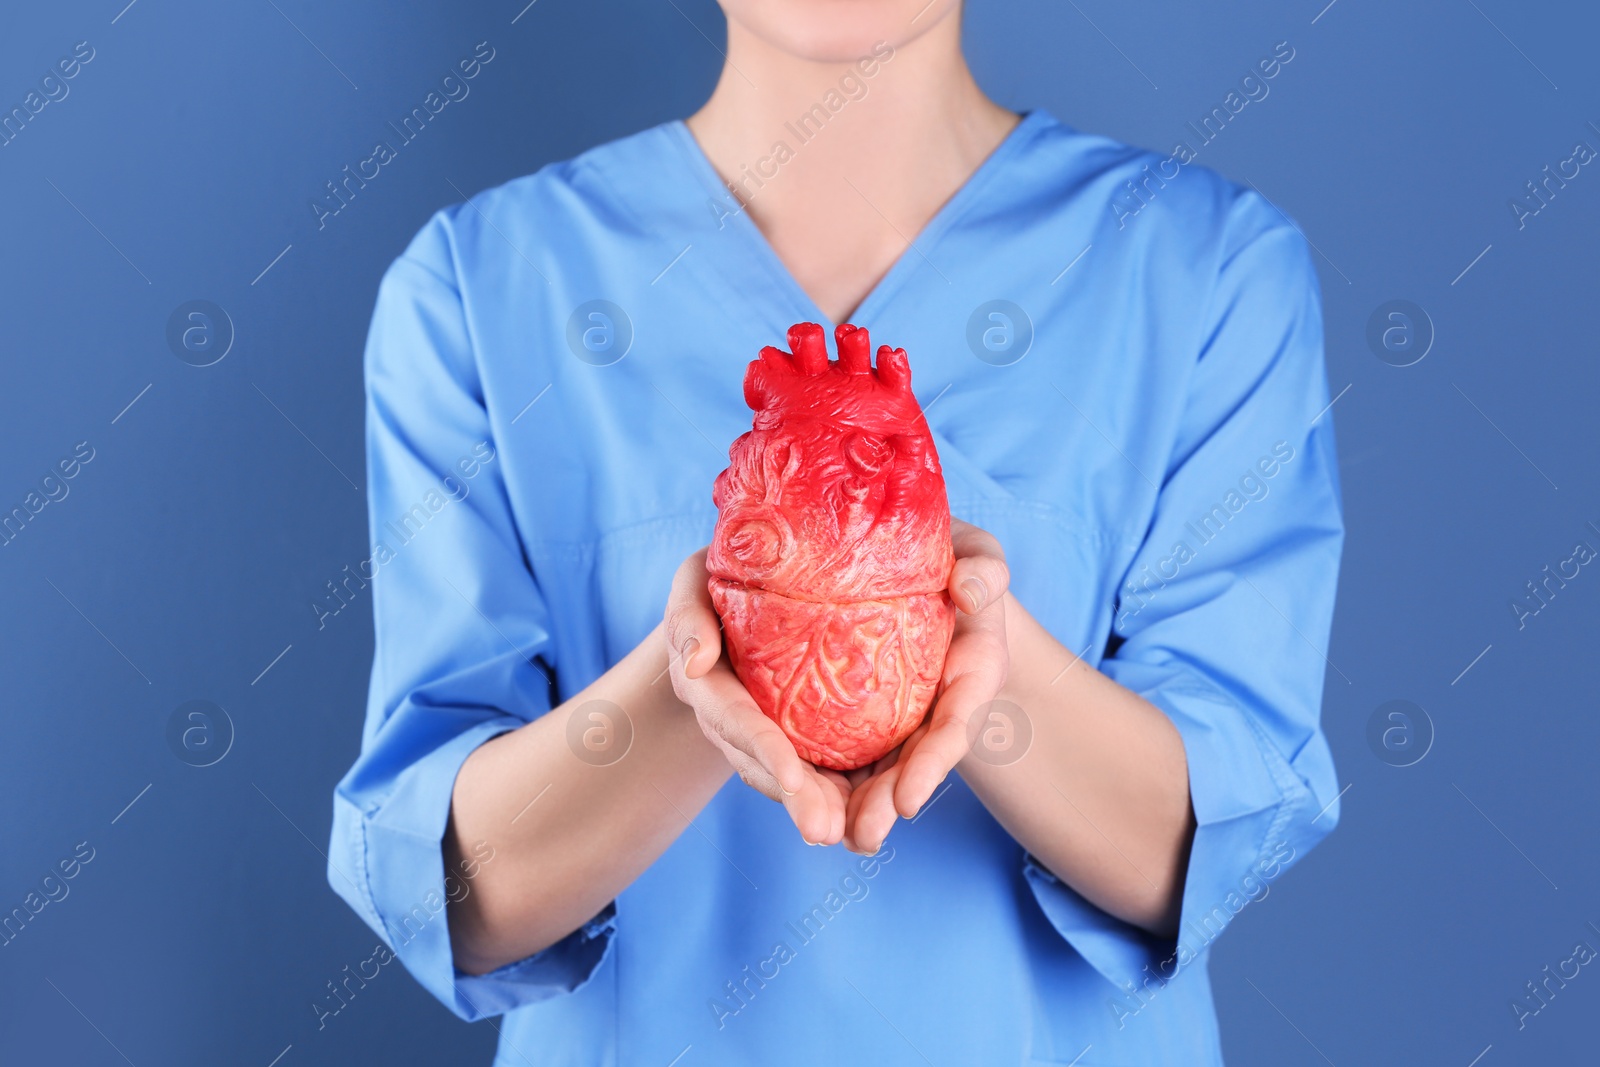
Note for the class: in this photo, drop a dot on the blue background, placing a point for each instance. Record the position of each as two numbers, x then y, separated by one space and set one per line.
187 553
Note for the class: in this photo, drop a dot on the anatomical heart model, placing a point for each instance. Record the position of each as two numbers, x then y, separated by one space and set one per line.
832 549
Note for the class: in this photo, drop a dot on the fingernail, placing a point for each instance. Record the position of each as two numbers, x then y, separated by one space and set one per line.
977 594
785 792
691 645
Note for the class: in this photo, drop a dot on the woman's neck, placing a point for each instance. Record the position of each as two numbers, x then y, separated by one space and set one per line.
841 164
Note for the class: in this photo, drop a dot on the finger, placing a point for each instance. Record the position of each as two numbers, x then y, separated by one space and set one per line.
863 776
976 670
945 743
978 653
816 808
978 646
876 797
724 709
750 772
693 630
837 812
840 780
876 767
872 813
890 758
980 576
853 804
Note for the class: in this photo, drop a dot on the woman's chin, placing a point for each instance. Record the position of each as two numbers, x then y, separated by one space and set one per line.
836 31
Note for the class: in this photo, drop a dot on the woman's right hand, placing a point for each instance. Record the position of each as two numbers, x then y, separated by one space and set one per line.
754 745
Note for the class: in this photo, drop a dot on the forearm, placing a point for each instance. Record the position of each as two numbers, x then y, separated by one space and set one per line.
1101 796
569 835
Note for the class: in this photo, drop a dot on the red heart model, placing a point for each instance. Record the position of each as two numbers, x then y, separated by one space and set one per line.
832 549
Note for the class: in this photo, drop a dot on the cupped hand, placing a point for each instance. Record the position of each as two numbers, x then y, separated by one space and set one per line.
754 745
975 668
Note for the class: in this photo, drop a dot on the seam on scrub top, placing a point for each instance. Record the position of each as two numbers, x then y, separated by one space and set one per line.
1098 536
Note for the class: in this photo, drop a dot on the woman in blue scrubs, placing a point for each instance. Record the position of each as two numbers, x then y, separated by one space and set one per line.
568 811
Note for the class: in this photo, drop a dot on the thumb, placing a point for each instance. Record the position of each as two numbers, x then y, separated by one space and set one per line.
693 630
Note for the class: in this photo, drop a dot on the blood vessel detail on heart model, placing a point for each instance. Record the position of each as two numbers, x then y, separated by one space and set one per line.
832 553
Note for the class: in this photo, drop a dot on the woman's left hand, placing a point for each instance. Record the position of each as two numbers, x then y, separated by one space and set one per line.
975 668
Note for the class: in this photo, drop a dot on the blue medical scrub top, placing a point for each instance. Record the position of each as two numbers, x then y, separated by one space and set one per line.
1121 361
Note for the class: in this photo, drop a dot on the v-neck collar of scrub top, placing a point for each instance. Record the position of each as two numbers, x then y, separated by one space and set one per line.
747 248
